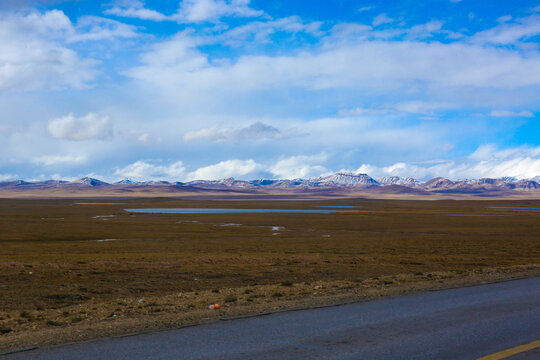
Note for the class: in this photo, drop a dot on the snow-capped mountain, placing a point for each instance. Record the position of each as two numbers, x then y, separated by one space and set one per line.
527 185
334 182
396 180
229 182
156 182
438 183
89 181
125 182
346 180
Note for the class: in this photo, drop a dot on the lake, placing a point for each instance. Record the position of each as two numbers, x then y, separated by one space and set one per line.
237 211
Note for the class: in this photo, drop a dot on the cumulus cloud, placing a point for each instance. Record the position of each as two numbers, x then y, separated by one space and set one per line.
145 170
225 169
51 160
287 168
301 166
256 131
508 113
393 70
90 126
34 51
56 25
486 161
31 58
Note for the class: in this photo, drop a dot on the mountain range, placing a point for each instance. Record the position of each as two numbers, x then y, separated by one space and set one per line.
338 182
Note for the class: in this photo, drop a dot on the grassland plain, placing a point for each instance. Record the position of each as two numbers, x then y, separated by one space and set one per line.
71 271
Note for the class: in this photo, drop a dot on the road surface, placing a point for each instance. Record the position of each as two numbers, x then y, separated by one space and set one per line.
464 323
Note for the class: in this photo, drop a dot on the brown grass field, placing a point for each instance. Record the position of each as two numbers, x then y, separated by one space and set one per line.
59 282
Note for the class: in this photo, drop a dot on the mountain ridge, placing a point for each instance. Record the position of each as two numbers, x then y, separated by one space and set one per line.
345 181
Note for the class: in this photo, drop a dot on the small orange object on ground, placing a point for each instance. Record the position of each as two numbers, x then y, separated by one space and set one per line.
214 307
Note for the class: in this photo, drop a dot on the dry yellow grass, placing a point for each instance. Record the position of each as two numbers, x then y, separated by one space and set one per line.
56 277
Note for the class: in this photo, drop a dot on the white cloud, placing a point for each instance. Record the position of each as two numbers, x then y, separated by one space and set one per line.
362 111
301 166
135 9
8 177
361 32
225 169
51 160
90 126
193 80
382 19
486 161
55 25
144 170
421 107
427 30
256 131
510 32
378 66
365 8
483 152
209 10
411 107
288 168
507 113
258 32
504 18
190 11
94 28
144 138
34 50
31 58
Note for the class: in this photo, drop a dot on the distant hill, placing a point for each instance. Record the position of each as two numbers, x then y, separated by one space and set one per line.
341 182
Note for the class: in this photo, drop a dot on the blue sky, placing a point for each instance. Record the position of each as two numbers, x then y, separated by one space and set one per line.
208 89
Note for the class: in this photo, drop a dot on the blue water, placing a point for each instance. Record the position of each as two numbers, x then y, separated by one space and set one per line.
236 211
514 207
96 203
336 206
477 215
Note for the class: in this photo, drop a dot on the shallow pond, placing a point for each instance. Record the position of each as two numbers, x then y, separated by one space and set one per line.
97 203
513 208
336 206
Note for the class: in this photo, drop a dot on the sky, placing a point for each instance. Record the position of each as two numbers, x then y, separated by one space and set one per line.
211 89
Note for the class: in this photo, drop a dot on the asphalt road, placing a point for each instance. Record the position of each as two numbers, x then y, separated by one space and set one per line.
465 323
